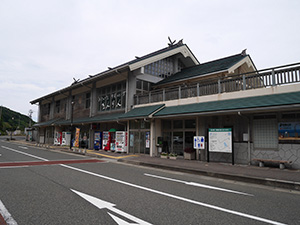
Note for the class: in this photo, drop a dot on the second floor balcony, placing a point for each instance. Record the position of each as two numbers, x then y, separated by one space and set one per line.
282 75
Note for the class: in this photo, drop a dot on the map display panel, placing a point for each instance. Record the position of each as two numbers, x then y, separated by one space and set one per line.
220 140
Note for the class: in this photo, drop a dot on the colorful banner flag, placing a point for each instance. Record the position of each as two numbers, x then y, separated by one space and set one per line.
77 138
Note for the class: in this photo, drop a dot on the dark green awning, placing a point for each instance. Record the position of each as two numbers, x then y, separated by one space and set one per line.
47 123
100 118
232 104
141 112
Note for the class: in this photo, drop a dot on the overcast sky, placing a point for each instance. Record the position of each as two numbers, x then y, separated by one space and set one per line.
45 43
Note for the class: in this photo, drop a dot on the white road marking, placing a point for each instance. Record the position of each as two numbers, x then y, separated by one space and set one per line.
23 147
6 215
198 185
161 193
178 197
101 204
24 153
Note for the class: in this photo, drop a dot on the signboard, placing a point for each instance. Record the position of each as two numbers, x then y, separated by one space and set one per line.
220 140
289 131
199 142
147 139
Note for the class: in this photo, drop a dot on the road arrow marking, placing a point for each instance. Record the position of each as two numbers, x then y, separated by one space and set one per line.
176 197
101 204
119 220
198 185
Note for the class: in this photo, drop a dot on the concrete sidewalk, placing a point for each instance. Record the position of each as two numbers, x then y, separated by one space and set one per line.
275 177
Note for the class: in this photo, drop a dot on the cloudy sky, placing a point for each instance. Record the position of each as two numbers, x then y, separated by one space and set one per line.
45 43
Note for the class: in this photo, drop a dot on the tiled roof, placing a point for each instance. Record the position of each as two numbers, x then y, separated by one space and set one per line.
205 68
141 111
233 104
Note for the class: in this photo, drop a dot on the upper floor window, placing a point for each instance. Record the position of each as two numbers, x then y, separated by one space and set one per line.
112 97
87 100
57 106
162 68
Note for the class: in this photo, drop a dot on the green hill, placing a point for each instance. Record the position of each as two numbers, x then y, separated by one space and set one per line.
11 120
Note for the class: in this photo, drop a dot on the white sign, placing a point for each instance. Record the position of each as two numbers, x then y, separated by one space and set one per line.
220 140
199 142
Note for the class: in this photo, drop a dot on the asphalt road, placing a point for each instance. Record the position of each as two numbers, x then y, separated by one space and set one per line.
108 192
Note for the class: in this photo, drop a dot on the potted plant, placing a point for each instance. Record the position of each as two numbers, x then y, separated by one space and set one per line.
173 156
189 153
164 155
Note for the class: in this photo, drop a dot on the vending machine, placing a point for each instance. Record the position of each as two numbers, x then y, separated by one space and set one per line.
98 140
66 138
112 141
121 141
58 138
106 140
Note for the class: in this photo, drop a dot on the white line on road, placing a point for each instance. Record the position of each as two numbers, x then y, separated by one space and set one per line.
198 185
23 147
161 193
6 215
177 197
24 153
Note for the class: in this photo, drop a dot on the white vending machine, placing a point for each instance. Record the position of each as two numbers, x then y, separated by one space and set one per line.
66 138
121 141
57 138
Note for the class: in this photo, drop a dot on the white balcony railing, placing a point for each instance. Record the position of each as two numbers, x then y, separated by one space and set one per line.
286 74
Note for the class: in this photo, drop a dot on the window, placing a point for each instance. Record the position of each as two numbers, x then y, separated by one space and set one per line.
57 106
177 124
162 68
190 123
112 97
265 134
87 100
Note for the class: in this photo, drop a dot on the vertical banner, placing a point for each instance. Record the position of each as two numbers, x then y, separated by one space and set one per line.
77 138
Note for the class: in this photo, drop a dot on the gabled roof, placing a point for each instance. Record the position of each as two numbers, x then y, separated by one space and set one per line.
131 65
205 68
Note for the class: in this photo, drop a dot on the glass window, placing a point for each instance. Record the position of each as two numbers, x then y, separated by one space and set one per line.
166 124
265 134
57 106
189 139
190 123
87 100
178 143
177 124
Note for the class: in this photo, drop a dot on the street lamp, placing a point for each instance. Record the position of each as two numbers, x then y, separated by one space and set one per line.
72 108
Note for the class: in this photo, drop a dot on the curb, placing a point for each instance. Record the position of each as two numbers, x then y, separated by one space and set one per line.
254 180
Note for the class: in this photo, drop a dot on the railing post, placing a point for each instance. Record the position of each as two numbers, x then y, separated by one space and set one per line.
273 78
164 94
137 99
198 89
179 92
219 86
244 82
150 97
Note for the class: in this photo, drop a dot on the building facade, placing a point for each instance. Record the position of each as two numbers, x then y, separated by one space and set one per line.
163 99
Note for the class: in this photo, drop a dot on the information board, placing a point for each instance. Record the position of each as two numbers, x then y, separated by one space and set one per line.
220 140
